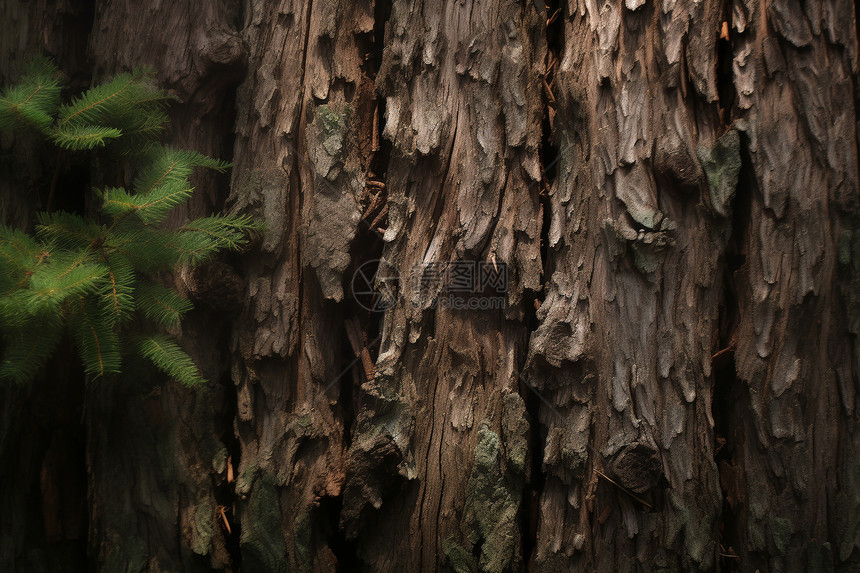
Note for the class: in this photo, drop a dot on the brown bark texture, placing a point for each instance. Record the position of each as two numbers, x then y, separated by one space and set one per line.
671 188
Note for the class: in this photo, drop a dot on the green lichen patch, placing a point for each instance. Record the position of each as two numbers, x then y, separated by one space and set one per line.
722 166
247 474
460 559
204 527
848 247
326 139
219 461
263 545
780 531
492 502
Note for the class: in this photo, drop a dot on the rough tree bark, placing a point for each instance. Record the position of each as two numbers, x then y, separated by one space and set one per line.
671 385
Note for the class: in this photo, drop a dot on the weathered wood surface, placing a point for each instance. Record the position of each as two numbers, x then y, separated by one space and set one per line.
796 437
626 332
463 113
672 383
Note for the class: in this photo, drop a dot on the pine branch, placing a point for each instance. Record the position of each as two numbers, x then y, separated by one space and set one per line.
168 357
116 294
34 101
18 255
151 208
66 230
144 247
82 137
200 238
139 138
115 103
97 342
162 305
64 276
90 278
171 168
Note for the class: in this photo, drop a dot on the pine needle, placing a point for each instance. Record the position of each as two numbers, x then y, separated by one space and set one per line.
81 137
33 102
167 356
162 305
97 342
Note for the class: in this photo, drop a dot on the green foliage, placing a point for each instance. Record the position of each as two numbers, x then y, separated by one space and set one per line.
96 278
166 355
162 305
31 102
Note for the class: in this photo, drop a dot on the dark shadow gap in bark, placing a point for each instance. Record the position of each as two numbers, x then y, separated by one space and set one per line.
225 492
366 249
227 113
725 74
726 393
344 550
350 383
535 478
549 158
362 314
78 74
731 400
69 183
549 152
75 61
381 14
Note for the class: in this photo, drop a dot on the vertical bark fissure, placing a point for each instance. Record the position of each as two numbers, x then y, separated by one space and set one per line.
361 315
549 150
225 492
731 397
553 30
728 389
725 75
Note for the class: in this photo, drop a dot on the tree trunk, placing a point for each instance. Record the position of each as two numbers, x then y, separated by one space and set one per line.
670 190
